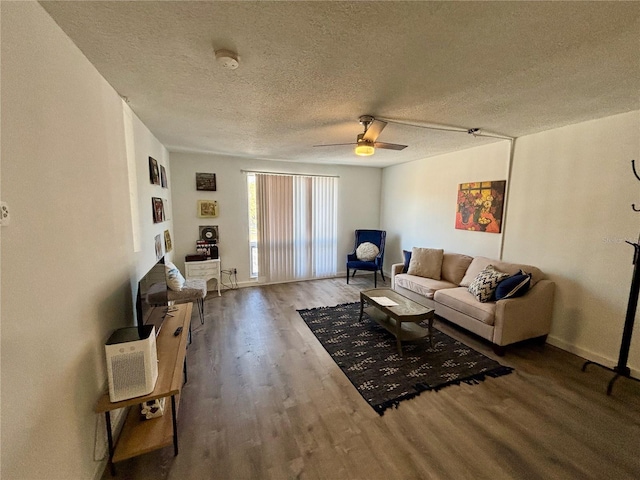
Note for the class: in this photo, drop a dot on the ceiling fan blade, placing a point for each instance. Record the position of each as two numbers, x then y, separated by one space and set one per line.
334 144
374 130
390 146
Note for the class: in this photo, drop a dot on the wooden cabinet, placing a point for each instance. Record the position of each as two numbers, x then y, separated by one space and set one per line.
141 436
206 270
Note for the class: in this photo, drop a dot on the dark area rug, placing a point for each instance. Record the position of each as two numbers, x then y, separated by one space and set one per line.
368 356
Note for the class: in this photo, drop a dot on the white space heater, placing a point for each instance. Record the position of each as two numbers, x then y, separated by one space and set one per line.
132 362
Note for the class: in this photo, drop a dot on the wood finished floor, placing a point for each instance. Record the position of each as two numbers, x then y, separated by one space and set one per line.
264 400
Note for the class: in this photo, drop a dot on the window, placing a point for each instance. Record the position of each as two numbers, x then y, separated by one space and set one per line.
295 226
253 227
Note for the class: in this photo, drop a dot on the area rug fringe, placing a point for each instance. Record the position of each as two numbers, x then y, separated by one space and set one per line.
472 380
394 403
339 341
327 307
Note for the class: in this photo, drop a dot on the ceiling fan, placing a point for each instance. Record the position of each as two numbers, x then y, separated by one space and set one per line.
366 142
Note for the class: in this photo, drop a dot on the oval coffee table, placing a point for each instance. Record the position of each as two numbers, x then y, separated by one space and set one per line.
398 314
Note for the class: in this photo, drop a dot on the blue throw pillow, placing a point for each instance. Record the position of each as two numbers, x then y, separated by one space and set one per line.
407 259
514 286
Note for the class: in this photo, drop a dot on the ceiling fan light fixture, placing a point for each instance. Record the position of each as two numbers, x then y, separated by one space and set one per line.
365 149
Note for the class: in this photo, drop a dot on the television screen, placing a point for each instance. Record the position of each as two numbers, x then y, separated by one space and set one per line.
152 293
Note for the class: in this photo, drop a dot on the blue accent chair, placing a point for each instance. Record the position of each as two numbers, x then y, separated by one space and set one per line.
377 237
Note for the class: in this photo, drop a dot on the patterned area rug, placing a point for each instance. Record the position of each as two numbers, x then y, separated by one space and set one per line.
368 356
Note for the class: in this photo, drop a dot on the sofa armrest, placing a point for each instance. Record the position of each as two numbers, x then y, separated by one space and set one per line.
395 269
524 317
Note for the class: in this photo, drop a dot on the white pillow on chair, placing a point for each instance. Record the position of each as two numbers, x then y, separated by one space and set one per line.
367 252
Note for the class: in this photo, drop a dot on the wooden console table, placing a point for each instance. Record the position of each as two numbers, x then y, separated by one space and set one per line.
142 436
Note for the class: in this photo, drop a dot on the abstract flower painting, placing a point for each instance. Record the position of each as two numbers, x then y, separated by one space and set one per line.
480 206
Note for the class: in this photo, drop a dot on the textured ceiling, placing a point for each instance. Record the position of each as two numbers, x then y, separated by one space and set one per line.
308 70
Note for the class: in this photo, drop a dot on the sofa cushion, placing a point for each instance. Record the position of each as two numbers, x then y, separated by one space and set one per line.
484 285
426 262
513 286
461 300
407 258
479 263
454 266
421 285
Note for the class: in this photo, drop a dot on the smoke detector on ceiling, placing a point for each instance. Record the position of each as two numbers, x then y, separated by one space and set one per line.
227 58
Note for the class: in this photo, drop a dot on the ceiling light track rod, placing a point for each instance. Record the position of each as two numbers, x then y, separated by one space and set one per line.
445 128
493 135
476 132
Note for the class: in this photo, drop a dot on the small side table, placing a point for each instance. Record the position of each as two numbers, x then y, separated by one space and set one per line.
205 269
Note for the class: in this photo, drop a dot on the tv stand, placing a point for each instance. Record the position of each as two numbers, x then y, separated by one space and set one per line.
142 436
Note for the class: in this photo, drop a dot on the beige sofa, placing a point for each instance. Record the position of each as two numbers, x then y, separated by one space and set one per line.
502 322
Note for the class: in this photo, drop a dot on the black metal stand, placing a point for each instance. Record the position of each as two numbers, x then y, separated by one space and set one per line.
621 369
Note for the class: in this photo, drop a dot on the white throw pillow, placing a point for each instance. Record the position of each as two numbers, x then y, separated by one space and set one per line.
367 252
175 280
426 262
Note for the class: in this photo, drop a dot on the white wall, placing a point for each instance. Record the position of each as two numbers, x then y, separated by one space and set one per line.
419 201
358 204
570 213
68 260
145 145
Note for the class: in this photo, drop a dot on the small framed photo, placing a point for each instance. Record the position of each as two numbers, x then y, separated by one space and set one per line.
206 181
208 233
166 211
167 241
158 242
207 208
158 210
154 171
163 177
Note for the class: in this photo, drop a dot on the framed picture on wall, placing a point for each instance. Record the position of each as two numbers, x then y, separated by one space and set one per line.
154 171
480 206
163 177
158 243
167 241
158 209
207 208
208 233
206 181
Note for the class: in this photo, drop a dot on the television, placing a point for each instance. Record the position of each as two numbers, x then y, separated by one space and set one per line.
152 293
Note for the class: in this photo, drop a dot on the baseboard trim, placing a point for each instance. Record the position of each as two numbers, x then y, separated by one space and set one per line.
255 283
588 354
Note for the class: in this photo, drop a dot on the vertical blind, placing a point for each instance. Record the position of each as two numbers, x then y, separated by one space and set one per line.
297 227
